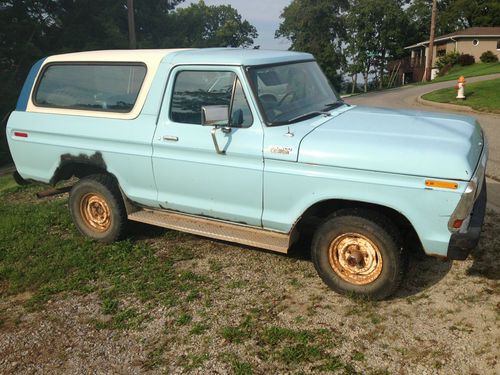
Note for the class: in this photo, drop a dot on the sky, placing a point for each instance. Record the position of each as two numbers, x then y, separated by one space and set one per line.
263 14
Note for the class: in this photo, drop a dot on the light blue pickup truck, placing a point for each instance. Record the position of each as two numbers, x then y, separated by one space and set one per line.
252 147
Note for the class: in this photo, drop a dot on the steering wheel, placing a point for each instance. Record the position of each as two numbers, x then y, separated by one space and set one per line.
268 98
287 94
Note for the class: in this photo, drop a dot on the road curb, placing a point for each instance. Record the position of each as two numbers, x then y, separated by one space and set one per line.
454 107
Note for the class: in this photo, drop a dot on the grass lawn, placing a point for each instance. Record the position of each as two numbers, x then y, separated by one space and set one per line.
481 96
478 69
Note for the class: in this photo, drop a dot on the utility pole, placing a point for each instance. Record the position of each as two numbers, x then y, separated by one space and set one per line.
428 62
131 25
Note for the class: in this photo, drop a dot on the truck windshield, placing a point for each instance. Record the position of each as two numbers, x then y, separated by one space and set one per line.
290 93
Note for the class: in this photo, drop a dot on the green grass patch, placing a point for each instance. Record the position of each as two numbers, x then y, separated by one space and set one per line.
199 329
242 368
478 69
192 361
7 184
481 96
42 253
109 306
184 319
300 353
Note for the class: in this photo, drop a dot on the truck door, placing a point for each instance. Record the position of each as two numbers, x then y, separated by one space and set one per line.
191 176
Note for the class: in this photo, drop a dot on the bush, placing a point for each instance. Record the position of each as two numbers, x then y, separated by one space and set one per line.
488 57
445 69
451 58
466 59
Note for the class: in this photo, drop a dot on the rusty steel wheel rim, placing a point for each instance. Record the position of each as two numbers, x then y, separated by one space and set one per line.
355 258
95 212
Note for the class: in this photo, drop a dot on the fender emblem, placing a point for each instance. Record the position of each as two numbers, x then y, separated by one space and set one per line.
281 150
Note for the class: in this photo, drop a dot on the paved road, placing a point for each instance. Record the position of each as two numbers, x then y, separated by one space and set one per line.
406 97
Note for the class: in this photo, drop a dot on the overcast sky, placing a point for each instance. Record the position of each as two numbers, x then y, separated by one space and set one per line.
263 14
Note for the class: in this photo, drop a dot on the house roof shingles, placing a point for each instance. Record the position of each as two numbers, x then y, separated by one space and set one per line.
470 32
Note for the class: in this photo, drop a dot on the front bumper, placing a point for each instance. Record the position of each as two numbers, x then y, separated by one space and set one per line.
462 243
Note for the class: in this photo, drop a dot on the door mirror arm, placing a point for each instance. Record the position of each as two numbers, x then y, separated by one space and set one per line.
218 117
214 139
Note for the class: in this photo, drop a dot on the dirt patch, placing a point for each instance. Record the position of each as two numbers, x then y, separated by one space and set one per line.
246 310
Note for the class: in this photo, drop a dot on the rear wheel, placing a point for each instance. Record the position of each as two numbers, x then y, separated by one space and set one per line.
358 252
97 208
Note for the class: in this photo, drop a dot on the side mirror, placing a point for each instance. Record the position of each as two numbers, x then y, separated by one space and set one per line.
215 115
218 117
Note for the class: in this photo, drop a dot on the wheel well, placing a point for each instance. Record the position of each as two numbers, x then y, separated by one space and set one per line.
80 170
315 214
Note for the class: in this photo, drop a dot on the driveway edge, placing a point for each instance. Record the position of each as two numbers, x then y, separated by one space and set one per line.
454 107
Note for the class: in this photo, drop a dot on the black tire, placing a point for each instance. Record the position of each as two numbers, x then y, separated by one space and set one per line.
97 208
358 252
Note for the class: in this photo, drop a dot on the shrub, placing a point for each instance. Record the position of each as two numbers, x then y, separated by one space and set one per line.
445 69
488 57
466 59
451 58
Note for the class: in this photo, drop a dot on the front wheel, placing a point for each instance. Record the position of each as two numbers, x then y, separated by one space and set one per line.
358 252
97 208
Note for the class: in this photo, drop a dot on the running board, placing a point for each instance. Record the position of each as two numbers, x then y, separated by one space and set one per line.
213 228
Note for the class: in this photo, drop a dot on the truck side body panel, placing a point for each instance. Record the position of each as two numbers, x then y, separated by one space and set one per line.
121 147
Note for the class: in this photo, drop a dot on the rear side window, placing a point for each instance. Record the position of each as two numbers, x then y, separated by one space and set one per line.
94 87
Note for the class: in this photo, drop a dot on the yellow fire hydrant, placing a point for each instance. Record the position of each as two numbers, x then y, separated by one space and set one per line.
460 88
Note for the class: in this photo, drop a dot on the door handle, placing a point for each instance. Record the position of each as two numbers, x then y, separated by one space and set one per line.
172 138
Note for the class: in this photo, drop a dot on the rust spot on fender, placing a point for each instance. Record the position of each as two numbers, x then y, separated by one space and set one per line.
65 168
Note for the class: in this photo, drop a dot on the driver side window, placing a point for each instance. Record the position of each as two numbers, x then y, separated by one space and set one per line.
195 89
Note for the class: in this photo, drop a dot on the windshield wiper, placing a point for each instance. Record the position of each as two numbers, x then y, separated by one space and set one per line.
328 106
309 114
333 105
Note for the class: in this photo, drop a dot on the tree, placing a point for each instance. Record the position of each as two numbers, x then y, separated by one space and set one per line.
200 25
461 14
153 22
452 15
375 34
317 27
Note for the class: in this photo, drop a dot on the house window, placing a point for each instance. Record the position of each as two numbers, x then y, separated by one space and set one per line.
440 51
498 44
475 42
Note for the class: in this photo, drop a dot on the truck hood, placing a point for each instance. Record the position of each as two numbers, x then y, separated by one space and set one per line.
397 141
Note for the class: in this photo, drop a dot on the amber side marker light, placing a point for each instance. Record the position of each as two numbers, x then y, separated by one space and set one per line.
441 184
